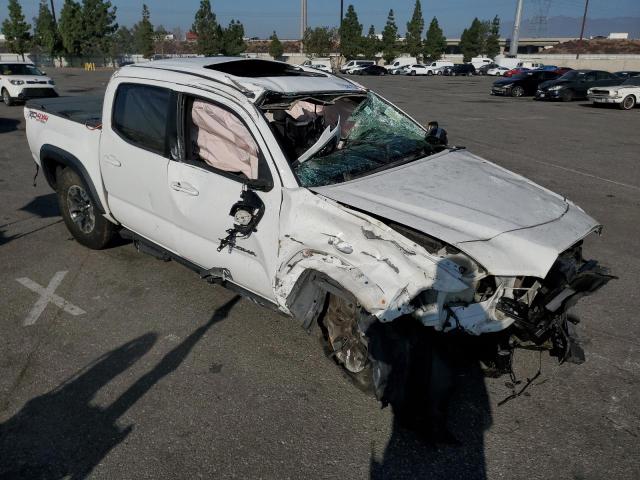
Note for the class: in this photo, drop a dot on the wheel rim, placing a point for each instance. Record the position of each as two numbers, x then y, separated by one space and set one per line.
5 96
628 103
81 209
517 92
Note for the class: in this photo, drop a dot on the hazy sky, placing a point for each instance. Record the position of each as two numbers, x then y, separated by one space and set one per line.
261 17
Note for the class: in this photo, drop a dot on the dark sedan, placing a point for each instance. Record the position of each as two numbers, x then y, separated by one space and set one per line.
371 70
626 74
574 84
525 83
460 69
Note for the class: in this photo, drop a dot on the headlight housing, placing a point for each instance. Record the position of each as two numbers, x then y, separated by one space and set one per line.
16 82
51 82
556 87
615 93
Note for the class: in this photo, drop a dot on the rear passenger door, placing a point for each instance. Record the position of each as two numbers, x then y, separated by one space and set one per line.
135 148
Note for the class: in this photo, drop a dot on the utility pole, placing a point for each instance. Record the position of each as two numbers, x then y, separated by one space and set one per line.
303 22
53 12
515 35
341 12
584 20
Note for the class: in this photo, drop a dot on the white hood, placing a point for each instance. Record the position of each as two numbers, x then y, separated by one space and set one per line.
28 79
507 223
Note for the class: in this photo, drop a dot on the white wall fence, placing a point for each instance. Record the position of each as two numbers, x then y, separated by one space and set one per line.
607 62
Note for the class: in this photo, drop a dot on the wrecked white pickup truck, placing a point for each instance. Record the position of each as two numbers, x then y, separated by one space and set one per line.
316 196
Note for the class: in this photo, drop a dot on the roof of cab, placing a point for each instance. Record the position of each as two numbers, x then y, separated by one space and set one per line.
247 74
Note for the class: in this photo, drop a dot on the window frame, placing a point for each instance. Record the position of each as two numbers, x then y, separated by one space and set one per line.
171 109
182 134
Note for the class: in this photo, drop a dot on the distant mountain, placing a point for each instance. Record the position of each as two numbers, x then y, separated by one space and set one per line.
570 27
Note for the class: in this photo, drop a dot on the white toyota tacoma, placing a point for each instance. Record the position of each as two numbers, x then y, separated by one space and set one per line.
20 81
316 196
626 95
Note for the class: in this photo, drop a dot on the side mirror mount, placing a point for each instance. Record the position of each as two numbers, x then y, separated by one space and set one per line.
260 184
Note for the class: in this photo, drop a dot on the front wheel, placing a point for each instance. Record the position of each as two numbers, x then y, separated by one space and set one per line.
567 96
628 103
79 212
412 73
517 91
6 98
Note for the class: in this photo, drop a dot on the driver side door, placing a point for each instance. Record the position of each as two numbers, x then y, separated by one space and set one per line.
203 195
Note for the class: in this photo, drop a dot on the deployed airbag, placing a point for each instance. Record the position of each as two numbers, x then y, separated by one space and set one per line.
222 140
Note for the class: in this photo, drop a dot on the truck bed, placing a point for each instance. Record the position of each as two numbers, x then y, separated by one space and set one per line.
85 109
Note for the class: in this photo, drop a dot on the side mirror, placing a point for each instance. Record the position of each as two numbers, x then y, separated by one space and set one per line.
436 135
43 72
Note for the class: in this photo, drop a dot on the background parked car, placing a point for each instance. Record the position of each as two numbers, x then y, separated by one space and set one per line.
525 83
434 67
355 63
484 68
322 67
514 71
20 81
460 69
626 74
497 71
400 62
626 95
562 70
575 84
371 70
417 69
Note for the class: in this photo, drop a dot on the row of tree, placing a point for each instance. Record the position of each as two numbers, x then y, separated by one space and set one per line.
88 28
481 38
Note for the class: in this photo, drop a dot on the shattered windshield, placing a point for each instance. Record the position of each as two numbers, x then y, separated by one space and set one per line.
348 137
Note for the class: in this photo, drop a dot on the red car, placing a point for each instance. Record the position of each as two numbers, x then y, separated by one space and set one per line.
514 71
562 70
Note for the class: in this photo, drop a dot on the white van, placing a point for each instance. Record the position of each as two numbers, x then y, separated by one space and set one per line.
530 65
356 63
478 62
437 66
399 63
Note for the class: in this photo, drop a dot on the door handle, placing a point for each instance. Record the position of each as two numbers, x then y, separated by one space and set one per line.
112 160
185 188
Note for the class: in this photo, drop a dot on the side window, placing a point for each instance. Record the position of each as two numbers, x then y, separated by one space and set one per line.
603 75
590 77
140 116
217 138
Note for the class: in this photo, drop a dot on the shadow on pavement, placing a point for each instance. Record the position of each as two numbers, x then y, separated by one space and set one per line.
62 434
8 125
44 206
409 455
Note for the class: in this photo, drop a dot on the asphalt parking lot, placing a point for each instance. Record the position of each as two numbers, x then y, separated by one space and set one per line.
157 374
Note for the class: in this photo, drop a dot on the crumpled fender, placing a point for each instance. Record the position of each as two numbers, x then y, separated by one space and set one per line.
382 269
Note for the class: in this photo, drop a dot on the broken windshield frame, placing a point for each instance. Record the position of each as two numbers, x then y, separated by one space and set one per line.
376 136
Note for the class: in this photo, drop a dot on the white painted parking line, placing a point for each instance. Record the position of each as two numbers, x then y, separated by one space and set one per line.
47 296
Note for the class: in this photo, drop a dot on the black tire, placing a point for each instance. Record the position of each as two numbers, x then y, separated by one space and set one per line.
517 91
566 96
6 98
430 73
627 103
79 211
412 73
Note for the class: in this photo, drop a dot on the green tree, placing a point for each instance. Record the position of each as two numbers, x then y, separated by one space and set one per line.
318 42
275 46
350 34
71 28
16 31
471 40
143 35
435 44
206 27
98 23
389 43
233 39
45 31
492 44
122 44
414 31
371 44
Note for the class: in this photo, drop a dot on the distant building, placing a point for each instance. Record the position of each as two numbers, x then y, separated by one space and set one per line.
192 37
169 37
2 38
619 36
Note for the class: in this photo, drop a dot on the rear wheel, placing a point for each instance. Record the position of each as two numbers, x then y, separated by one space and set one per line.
6 98
517 91
412 73
628 103
79 211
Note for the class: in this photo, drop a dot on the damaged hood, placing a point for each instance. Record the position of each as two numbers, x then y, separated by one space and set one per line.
507 223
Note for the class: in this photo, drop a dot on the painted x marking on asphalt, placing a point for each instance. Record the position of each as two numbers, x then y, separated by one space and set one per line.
47 296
